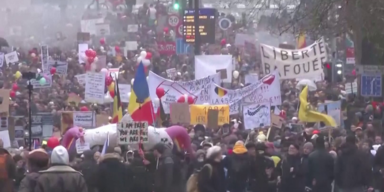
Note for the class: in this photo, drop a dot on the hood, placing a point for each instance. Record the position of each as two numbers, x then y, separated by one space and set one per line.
348 148
60 156
88 155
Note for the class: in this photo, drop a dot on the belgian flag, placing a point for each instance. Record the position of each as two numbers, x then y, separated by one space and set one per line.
220 92
117 108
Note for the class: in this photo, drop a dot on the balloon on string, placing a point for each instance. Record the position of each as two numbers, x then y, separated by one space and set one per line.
53 142
90 60
117 49
143 54
42 81
88 53
149 55
186 99
53 70
12 94
15 87
108 80
160 92
236 74
104 70
38 70
17 75
102 41
84 108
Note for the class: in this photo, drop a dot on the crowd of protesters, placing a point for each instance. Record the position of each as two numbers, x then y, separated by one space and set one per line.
348 158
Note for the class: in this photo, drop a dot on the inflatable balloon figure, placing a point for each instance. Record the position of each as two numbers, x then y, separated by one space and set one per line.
175 137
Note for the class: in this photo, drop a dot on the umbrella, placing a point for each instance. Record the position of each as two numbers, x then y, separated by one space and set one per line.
3 42
306 82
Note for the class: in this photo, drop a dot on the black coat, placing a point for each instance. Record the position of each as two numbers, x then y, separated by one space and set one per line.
353 169
379 165
238 171
141 177
168 175
291 181
258 178
211 180
320 168
89 170
112 175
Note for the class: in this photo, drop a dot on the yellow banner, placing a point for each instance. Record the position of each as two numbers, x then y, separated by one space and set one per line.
199 113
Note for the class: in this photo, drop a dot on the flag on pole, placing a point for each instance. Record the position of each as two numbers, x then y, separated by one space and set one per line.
140 105
106 145
117 108
301 41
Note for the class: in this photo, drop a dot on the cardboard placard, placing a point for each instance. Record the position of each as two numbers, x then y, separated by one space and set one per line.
83 37
276 121
223 73
101 120
213 119
4 100
74 99
180 113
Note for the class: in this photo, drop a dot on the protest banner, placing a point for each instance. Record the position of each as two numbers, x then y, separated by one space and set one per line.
198 88
297 63
94 87
276 121
206 65
180 113
257 115
199 113
85 119
132 132
213 119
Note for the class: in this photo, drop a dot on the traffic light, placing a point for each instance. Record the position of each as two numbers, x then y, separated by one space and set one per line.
176 6
328 72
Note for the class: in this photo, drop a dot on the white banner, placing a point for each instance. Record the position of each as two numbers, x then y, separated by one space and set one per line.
124 89
11 58
257 115
269 91
84 119
198 88
206 65
298 63
81 78
94 87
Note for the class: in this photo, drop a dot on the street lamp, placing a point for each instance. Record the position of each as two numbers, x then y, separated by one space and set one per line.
29 76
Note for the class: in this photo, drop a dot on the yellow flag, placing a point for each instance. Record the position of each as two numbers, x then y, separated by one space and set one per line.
306 114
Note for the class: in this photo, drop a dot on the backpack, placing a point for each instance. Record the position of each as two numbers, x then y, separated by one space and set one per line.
3 166
192 180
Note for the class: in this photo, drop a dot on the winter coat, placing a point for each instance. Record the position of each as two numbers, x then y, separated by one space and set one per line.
29 182
60 178
89 170
140 176
379 165
238 171
291 181
258 179
211 180
168 177
112 175
353 169
320 168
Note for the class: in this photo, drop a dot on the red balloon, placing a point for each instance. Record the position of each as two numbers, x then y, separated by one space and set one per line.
149 55
15 87
93 53
53 70
112 93
53 142
88 52
160 92
84 108
117 49
102 41
90 60
223 42
166 30
12 94
108 80
186 99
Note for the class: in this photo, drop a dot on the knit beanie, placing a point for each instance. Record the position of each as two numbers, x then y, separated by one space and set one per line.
60 155
239 148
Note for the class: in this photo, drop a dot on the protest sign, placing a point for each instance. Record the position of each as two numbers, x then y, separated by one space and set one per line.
251 78
82 146
213 119
132 28
113 72
276 121
180 113
256 115
1 59
94 87
198 88
84 119
131 132
42 123
124 89
199 113
103 29
81 78
297 63
44 58
4 100
206 65
61 66
11 58
332 109
82 48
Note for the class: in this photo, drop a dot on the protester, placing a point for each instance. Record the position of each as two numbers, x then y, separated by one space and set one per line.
88 167
112 174
7 170
60 176
291 171
212 175
237 165
258 178
38 160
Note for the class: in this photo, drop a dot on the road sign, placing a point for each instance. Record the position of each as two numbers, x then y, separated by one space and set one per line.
369 69
182 47
371 85
225 24
179 31
173 20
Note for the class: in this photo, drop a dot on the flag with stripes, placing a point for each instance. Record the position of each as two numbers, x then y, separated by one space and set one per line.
106 144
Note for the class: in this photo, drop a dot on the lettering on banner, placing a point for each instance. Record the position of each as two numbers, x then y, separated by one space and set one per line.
256 115
294 63
166 48
37 85
11 58
84 119
94 87
131 132
61 66
44 58
199 113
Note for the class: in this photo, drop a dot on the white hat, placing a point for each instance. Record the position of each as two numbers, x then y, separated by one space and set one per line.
60 155
213 151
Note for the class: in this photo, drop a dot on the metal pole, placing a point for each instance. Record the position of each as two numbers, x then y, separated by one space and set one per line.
197 33
30 88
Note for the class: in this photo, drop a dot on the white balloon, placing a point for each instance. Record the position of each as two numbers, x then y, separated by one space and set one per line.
38 70
108 98
156 102
33 55
146 62
102 48
83 57
236 74
139 59
95 60
143 54
104 70
132 80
